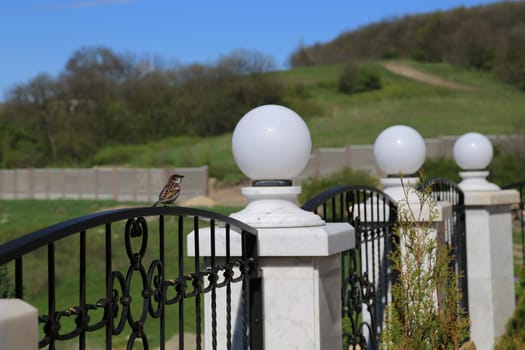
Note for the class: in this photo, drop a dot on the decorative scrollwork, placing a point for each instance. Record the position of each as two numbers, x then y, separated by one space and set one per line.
156 286
130 295
136 228
359 309
179 285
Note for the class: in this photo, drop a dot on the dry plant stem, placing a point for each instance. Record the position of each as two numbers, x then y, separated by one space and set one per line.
424 312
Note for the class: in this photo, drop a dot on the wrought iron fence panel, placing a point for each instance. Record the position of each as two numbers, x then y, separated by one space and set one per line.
146 283
518 214
367 273
445 190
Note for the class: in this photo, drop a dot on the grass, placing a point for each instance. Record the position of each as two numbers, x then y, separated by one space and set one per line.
336 119
14 215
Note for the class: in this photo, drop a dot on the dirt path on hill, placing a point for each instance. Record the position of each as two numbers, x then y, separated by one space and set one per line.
412 73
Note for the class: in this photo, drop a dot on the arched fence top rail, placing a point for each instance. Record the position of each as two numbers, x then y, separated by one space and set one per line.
366 272
444 189
519 184
322 198
40 238
157 278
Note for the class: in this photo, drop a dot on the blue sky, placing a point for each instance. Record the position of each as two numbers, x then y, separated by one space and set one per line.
38 36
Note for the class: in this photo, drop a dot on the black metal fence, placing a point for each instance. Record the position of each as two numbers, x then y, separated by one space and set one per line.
366 270
445 190
518 216
139 256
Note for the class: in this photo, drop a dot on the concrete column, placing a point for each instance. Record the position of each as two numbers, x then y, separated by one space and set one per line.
18 325
300 260
490 263
489 241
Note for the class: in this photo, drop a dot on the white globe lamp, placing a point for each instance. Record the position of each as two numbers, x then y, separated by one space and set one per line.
400 152
271 145
271 142
473 152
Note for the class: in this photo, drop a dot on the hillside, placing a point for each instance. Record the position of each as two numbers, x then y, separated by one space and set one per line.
105 108
489 37
336 119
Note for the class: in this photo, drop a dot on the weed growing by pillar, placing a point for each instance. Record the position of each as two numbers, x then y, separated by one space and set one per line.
425 310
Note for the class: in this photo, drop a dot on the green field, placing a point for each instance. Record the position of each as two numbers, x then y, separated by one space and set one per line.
336 119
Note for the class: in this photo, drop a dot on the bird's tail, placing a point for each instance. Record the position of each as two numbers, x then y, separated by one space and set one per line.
156 203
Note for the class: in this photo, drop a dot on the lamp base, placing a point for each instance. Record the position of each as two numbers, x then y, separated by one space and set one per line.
273 207
476 181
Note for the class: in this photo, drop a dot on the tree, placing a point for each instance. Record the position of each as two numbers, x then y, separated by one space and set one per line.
510 66
243 62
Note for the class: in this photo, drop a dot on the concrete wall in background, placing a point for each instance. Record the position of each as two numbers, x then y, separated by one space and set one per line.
121 184
326 161
144 184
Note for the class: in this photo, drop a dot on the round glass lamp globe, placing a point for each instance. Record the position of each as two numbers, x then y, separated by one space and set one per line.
271 142
399 149
473 151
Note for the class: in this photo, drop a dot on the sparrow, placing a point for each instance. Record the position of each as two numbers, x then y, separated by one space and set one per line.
171 190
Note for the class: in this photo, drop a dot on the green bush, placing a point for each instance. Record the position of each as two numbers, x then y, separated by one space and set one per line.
356 79
347 176
441 167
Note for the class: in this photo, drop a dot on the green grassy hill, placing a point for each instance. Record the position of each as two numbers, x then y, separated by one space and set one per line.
337 119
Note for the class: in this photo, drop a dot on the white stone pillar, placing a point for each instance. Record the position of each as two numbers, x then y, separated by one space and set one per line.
299 256
489 263
489 242
18 325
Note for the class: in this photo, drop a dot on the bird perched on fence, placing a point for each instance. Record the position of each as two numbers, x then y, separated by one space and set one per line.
171 190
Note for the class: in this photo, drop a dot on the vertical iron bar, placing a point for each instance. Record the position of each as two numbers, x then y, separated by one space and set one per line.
228 294
198 287
214 288
19 278
341 208
256 314
245 292
82 286
162 295
180 242
334 207
254 279
109 290
51 300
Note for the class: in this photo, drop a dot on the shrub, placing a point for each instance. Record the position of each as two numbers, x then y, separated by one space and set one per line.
424 313
355 79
